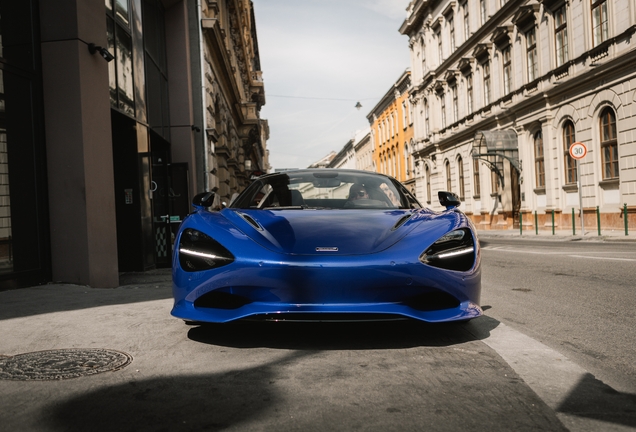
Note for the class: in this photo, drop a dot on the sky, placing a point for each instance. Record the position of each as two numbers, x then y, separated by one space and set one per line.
319 58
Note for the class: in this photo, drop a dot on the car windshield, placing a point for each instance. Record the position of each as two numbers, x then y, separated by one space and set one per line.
325 189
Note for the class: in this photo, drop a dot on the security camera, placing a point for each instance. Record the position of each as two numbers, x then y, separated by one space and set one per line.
92 48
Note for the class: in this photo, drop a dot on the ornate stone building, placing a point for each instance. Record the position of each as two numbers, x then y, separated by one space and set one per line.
501 89
235 135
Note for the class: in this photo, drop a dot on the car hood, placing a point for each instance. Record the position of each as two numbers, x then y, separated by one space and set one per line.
326 232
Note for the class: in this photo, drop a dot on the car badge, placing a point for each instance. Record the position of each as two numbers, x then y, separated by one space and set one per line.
327 249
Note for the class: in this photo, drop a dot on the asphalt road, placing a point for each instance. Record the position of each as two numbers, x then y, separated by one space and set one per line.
579 298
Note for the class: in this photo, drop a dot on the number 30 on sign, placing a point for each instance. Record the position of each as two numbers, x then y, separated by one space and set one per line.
578 150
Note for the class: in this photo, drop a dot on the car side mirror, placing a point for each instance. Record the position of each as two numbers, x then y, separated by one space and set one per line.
203 200
448 199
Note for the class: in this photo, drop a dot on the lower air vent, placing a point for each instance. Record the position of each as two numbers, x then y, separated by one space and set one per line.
433 301
221 300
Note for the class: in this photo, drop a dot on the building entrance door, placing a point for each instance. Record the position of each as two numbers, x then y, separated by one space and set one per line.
170 201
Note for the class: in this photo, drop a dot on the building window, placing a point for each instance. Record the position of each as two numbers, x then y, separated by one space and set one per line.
440 53
469 93
455 104
427 125
476 179
561 36
507 69
460 177
609 144
404 113
599 22
539 163
494 182
451 26
423 56
466 21
570 164
121 70
428 184
531 55
407 161
442 98
396 165
448 176
482 12
486 72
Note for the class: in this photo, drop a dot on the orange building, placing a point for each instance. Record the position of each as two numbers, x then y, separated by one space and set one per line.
391 123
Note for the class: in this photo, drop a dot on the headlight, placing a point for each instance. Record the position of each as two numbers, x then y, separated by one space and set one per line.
198 251
453 251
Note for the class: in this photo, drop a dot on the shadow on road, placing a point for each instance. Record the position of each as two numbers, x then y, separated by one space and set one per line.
135 288
341 336
593 399
173 403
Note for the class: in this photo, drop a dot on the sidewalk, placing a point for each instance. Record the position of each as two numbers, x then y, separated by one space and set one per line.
562 235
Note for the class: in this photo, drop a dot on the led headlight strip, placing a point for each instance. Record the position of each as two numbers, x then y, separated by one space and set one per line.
198 251
453 251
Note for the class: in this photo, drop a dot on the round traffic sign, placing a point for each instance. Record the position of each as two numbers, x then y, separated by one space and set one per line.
578 150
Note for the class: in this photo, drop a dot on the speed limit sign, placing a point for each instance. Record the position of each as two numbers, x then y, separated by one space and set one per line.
578 150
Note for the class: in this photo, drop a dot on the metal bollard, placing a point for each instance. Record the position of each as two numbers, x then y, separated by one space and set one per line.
552 222
573 224
625 217
536 223
520 223
598 220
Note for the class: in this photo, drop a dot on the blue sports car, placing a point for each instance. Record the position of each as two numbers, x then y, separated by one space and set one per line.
326 245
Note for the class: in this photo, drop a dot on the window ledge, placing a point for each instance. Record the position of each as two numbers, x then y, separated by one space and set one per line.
539 191
609 184
572 187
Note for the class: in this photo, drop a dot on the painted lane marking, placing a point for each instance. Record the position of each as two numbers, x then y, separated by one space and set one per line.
602 258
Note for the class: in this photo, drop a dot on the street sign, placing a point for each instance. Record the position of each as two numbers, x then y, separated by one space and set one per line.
578 150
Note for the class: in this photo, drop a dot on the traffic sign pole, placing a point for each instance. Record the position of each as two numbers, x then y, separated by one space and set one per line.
578 180
578 152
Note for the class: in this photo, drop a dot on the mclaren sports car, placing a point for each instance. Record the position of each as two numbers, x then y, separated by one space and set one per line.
326 245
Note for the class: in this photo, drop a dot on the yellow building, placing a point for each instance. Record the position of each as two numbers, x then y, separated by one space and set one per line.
391 123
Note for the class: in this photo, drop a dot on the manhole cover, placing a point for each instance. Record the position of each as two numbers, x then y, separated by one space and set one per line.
61 364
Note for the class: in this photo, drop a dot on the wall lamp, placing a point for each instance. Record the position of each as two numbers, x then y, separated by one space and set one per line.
92 48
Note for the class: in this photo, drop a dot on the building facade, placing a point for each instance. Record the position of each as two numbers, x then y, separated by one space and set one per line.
104 133
363 149
391 122
501 89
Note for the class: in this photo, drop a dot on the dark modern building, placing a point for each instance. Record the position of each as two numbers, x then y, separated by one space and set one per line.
106 130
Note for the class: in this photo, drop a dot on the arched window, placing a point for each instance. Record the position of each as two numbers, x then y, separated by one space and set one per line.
609 144
396 164
539 163
570 164
407 165
460 177
448 175
428 184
